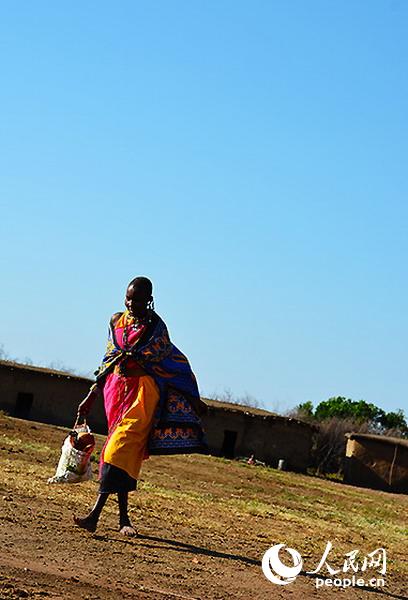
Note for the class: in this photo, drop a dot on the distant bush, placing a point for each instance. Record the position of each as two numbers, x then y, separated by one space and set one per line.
330 444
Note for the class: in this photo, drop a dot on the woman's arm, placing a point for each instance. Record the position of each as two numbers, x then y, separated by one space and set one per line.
96 389
86 405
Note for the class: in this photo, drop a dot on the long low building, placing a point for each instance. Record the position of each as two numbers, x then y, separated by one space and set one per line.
52 396
377 461
236 430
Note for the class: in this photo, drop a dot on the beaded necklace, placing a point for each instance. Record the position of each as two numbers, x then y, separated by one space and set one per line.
138 323
132 326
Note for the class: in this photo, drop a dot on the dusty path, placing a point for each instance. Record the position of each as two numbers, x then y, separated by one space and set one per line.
204 525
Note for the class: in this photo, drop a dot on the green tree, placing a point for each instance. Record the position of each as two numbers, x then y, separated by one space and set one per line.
360 412
345 408
304 410
395 420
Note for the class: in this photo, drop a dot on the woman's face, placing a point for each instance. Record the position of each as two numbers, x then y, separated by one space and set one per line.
136 301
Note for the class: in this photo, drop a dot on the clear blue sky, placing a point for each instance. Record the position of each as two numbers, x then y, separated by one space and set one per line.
249 157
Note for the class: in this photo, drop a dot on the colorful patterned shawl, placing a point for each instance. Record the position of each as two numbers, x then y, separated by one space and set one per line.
177 427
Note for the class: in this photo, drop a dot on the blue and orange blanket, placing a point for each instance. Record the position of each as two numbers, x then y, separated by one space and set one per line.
177 426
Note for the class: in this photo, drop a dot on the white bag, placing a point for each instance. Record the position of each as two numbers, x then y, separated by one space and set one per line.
74 465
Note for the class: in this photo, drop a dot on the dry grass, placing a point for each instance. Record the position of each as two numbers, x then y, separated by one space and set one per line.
193 508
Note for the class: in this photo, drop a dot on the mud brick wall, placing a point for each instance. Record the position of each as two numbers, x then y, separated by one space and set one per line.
53 397
376 464
269 439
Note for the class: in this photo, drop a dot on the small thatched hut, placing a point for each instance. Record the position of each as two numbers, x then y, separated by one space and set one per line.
377 461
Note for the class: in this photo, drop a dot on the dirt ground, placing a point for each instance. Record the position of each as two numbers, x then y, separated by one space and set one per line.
204 524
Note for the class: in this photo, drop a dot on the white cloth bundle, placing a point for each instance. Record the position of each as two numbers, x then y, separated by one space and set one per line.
74 465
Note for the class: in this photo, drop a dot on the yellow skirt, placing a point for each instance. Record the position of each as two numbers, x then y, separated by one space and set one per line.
127 443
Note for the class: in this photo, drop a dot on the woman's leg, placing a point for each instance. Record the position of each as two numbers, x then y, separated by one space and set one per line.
90 522
125 526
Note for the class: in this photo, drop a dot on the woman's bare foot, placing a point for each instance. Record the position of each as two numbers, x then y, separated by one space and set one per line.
128 530
87 523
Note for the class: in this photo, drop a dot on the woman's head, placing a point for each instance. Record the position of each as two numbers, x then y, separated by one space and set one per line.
139 296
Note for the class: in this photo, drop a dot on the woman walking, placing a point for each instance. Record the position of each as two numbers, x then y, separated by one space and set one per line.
151 400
